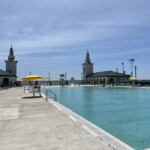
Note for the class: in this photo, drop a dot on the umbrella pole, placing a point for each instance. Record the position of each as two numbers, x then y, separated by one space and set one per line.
33 89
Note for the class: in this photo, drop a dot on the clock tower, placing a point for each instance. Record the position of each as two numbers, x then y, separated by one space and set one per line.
11 63
87 66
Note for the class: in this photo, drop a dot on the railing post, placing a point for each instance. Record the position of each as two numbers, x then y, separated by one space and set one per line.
33 89
24 88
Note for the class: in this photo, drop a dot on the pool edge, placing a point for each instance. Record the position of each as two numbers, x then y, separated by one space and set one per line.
104 137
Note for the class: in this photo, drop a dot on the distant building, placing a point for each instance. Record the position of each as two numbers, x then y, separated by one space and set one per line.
105 77
8 77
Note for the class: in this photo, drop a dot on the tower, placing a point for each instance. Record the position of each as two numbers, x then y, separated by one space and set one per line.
87 66
11 63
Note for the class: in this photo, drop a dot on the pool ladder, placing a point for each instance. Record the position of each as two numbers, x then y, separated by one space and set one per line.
55 96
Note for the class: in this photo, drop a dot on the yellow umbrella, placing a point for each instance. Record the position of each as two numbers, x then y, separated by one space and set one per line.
31 77
55 80
134 79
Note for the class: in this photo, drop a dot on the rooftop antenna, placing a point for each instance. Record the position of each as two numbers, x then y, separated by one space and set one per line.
132 61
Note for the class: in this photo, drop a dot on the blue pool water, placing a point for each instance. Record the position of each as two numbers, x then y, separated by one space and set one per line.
123 112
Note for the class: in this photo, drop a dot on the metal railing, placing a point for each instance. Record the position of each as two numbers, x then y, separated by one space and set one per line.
27 88
55 96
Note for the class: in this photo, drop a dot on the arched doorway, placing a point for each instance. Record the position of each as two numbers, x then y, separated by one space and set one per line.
5 81
111 81
94 81
104 81
100 81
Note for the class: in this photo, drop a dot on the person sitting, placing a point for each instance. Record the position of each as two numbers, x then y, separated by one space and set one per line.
30 83
36 85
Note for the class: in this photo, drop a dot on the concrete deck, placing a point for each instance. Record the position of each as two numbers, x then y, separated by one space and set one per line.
28 123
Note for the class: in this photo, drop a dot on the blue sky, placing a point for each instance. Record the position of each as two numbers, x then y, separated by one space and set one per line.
53 35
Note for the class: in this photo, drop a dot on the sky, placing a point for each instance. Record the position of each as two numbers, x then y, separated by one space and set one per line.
54 35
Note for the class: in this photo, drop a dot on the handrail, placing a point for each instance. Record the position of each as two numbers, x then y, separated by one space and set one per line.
55 96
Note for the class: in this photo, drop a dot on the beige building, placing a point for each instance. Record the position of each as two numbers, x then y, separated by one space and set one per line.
8 77
105 77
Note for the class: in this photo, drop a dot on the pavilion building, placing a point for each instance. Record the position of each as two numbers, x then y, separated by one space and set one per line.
8 77
105 77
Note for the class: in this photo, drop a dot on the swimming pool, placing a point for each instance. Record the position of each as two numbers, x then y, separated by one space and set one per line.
123 112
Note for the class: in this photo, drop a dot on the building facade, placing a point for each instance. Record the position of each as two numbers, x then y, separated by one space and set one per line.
8 77
105 77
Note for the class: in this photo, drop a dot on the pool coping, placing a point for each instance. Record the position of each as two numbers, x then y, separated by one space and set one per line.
104 137
107 86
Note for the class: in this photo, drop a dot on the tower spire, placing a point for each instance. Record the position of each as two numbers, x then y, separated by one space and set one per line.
11 56
87 60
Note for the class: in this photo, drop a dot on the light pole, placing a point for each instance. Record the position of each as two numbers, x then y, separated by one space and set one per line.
65 76
49 78
135 72
123 66
132 61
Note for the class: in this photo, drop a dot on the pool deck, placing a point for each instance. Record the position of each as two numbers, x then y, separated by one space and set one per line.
28 123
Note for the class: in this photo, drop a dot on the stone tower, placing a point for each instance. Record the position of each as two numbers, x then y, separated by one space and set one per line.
87 66
11 63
